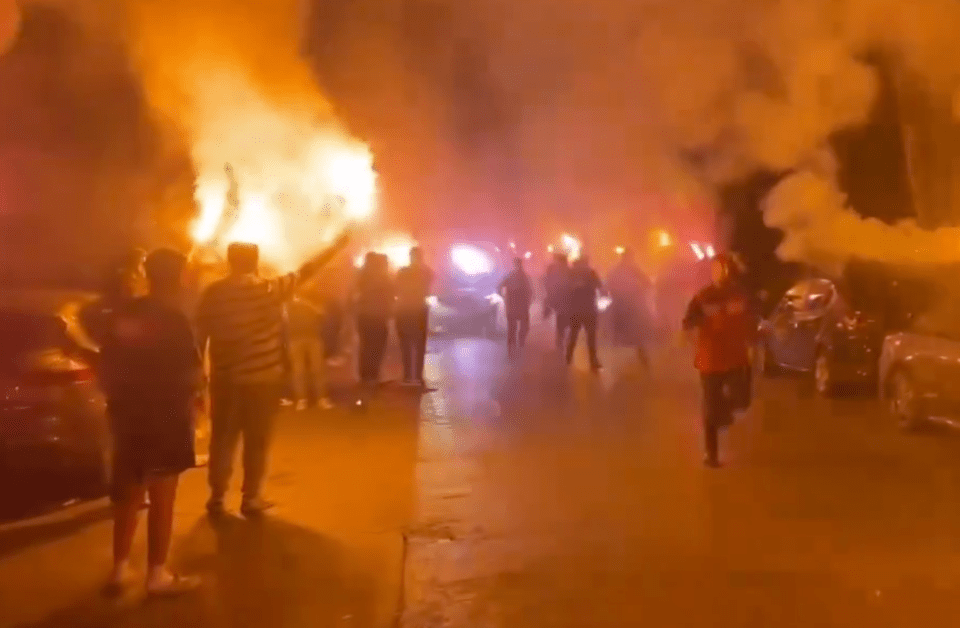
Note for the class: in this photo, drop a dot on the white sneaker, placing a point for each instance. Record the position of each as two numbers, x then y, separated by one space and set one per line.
301 405
325 404
163 583
256 506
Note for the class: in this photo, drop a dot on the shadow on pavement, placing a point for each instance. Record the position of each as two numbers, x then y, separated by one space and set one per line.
255 573
19 537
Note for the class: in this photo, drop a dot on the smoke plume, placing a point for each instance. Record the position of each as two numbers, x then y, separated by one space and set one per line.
603 111
82 162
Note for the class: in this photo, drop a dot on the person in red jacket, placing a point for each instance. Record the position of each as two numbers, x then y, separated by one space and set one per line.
723 317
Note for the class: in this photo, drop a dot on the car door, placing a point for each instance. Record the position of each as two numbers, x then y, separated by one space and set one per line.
934 362
808 323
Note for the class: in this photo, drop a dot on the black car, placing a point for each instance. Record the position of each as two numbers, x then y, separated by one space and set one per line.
834 329
53 422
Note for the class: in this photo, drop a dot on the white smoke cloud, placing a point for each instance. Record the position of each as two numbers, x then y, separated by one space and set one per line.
820 228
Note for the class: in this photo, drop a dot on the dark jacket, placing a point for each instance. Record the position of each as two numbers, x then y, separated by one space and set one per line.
517 292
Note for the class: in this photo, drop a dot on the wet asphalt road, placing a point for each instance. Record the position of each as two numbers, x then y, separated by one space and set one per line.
555 498
528 495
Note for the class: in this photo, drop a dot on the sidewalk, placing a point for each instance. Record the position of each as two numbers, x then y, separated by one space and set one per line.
330 554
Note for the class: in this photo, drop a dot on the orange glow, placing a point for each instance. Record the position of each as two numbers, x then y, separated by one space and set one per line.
571 246
663 238
396 248
293 194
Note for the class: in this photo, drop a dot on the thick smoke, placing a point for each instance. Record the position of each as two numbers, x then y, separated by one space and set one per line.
81 160
601 117
230 76
605 110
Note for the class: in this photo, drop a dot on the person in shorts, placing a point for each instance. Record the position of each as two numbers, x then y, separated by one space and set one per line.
152 375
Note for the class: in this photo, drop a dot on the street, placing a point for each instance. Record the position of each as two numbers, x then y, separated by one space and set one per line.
524 494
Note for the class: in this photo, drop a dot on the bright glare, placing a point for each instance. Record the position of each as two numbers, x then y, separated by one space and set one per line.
550 248
299 180
571 245
710 251
527 255
698 251
513 245
397 250
663 238
620 250
495 298
433 301
471 259
603 303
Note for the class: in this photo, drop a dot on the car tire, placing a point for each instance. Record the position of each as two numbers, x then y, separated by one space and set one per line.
902 401
823 379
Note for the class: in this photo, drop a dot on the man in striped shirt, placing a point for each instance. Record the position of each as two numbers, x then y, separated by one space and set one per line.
241 317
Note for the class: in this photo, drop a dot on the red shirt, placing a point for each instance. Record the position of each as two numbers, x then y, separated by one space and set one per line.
725 318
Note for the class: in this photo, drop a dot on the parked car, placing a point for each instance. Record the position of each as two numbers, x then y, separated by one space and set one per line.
53 422
920 369
834 329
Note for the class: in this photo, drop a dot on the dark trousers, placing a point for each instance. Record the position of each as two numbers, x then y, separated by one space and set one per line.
372 332
723 394
331 328
587 322
518 326
238 410
412 331
562 328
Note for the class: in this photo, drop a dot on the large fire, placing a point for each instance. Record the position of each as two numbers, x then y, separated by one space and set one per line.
295 183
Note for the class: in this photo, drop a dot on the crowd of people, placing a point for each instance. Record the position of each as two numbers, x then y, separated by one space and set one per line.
157 364
721 320
570 296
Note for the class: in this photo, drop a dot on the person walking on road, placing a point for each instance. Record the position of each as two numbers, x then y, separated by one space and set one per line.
241 317
556 287
723 317
517 293
413 288
152 375
630 311
584 287
373 300
308 365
